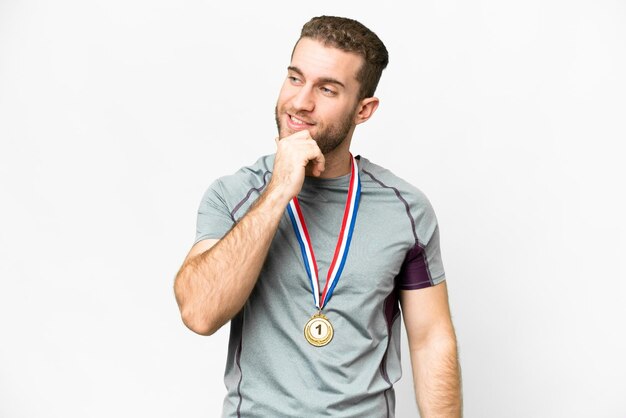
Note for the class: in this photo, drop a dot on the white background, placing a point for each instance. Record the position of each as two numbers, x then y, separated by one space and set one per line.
116 115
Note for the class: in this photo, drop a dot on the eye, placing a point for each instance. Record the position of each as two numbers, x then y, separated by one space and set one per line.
327 91
294 79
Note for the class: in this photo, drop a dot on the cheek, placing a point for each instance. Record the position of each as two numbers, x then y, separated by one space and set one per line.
336 113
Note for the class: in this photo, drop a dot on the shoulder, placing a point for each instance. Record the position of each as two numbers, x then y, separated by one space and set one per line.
381 182
249 175
374 176
243 181
237 191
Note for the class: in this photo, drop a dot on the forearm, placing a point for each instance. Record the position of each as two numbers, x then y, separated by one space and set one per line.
437 377
213 286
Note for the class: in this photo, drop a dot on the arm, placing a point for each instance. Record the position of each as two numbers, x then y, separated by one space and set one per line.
217 277
432 343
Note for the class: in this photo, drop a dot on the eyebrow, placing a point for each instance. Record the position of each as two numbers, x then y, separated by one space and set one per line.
320 80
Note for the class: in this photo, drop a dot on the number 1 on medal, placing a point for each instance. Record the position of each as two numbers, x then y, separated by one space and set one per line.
318 322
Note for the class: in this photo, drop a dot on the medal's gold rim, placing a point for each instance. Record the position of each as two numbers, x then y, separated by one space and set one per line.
318 342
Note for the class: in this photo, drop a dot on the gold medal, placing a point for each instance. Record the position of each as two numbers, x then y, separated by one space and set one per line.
318 331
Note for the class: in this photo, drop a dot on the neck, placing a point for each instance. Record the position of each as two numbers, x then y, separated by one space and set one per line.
337 164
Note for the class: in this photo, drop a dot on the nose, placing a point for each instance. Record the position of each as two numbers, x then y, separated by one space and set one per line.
304 100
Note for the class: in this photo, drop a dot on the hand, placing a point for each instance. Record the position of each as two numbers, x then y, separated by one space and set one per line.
294 155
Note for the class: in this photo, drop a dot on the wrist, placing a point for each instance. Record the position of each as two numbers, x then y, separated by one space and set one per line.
275 199
280 195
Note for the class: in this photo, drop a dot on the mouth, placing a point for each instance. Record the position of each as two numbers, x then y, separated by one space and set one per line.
297 123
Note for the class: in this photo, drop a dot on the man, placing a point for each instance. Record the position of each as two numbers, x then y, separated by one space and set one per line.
304 344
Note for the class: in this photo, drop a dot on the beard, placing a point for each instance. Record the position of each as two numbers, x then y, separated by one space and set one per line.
328 137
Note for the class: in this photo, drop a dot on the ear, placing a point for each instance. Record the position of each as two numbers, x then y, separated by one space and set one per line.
366 109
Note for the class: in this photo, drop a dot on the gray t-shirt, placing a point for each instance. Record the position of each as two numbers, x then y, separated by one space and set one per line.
271 370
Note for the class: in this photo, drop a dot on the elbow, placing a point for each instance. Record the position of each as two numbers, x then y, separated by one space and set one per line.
190 316
198 317
200 326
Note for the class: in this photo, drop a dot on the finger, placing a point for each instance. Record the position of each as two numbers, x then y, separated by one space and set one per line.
319 164
303 134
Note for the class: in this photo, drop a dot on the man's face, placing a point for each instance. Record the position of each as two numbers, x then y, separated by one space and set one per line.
320 94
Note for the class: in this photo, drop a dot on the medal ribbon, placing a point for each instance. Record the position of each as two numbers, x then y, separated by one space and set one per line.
343 241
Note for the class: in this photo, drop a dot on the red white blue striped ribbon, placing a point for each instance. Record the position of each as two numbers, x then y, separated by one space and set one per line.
343 241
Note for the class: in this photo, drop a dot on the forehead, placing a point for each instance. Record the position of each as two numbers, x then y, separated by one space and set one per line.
318 61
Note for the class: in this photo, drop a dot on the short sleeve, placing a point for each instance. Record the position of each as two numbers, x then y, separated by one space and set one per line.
422 266
214 217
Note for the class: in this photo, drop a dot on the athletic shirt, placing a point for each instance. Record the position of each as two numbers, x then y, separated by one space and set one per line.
271 370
